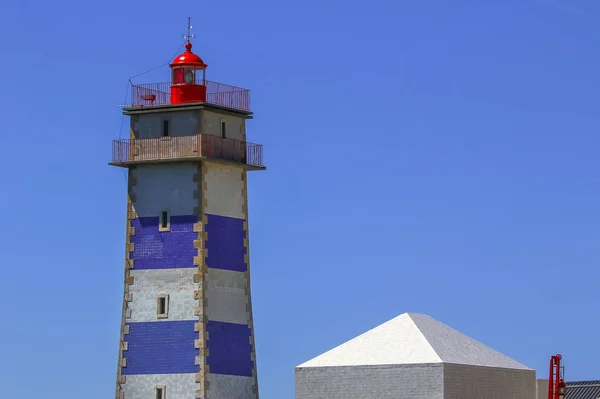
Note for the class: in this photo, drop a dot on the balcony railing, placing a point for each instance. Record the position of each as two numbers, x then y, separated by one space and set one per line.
216 93
158 149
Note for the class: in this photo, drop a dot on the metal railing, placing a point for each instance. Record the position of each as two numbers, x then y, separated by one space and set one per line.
180 147
216 93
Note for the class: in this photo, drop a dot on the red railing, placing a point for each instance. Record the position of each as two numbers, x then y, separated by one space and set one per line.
180 147
216 93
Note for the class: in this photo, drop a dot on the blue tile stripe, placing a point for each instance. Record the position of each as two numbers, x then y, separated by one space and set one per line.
229 349
225 243
168 347
161 348
154 249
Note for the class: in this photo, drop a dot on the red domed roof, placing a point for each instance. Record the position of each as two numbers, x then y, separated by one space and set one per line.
188 58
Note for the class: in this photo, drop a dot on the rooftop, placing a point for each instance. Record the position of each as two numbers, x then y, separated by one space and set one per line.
583 390
413 338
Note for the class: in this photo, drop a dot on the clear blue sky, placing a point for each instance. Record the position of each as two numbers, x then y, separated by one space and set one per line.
428 156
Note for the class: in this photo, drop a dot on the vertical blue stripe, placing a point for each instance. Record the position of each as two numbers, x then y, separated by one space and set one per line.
225 243
229 349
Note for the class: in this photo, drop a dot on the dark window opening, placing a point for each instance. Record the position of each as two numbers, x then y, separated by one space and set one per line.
160 393
223 129
164 219
165 128
162 305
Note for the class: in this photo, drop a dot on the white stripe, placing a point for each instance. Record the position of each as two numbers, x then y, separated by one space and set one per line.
149 284
226 297
230 387
178 386
224 189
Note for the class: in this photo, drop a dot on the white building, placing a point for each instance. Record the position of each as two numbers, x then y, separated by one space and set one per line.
414 356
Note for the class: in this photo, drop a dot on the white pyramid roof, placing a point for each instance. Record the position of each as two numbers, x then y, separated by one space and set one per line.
413 338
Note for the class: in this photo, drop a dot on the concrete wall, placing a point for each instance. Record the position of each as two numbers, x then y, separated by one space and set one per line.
186 123
168 187
235 125
369 382
542 389
182 123
472 382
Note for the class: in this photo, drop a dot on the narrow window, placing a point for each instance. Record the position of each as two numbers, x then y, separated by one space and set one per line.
164 224
160 392
162 306
223 129
165 128
164 219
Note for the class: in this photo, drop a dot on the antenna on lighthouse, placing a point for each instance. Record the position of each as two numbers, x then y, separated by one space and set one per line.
189 34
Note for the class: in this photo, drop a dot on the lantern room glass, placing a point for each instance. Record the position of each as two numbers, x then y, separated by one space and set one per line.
200 76
188 75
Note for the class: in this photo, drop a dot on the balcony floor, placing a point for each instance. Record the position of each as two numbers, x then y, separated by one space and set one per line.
129 164
147 109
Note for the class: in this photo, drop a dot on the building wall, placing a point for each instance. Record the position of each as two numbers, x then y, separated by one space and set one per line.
542 389
368 382
168 187
161 350
229 339
186 123
473 382
177 385
236 126
181 123
204 347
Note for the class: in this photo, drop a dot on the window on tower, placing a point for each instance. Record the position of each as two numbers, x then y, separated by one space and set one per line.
164 224
160 392
223 129
165 128
162 306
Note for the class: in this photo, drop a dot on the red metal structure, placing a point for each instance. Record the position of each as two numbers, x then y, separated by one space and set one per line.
556 384
188 88
188 78
220 94
187 75
189 85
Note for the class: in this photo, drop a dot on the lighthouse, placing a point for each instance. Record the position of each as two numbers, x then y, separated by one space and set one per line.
186 328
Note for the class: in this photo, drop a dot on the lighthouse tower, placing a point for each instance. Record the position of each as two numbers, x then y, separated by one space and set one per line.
186 329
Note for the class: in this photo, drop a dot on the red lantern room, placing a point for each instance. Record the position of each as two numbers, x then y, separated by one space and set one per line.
188 84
